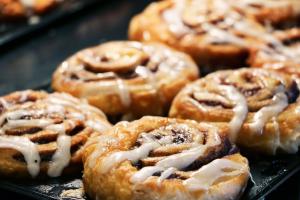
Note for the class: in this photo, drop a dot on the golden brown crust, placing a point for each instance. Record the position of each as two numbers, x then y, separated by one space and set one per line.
202 30
36 126
14 9
128 78
260 106
107 178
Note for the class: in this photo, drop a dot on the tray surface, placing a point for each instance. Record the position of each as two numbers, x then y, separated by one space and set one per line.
105 21
10 31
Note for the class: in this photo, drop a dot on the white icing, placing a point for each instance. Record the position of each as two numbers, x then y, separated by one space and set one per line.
105 141
123 92
166 174
173 18
62 156
280 102
53 104
207 175
132 155
4 103
240 109
28 3
27 148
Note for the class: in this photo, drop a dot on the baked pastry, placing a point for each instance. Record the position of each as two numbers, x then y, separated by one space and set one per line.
162 158
259 106
128 79
278 13
43 134
283 56
214 33
12 9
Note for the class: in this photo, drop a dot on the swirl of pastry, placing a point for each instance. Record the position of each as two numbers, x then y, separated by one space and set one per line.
152 157
278 13
259 106
13 9
213 32
43 134
283 57
128 79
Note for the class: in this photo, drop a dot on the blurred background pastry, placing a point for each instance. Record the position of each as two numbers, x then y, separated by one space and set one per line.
126 79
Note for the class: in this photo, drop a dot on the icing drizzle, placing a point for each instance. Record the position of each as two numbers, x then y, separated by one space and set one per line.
28 115
170 164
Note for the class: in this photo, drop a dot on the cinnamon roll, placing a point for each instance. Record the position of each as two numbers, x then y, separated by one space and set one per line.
283 56
128 79
43 134
213 32
259 106
12 9
163 158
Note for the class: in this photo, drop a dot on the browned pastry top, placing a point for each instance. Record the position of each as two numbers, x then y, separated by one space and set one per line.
156 152
129 72
259 105
46 131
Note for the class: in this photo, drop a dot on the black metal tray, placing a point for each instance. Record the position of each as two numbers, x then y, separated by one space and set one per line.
100 23
10 31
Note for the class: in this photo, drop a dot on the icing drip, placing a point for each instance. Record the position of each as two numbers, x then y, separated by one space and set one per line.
240 109
62 156
27 148
123 92
207 175
280 102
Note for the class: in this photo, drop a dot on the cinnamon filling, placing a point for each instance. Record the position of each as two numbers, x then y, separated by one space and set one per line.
178 140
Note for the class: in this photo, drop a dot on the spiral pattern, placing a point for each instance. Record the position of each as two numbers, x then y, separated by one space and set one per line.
123 77
252 102
44 133
155 153
214 32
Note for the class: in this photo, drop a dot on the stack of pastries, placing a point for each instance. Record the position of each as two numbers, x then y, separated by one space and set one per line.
175 135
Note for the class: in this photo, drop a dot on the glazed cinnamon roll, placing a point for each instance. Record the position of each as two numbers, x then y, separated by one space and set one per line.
213 32
259 106
43 134
283 56
128 79
162 158
278 13
12 9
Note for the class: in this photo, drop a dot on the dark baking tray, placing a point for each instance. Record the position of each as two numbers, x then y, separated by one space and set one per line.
14 29
89 27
